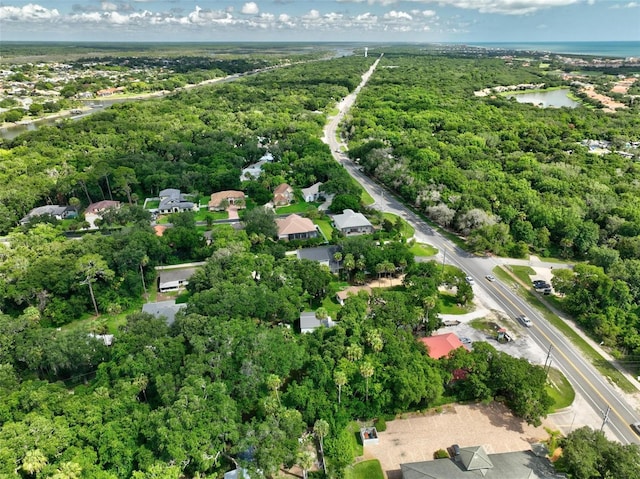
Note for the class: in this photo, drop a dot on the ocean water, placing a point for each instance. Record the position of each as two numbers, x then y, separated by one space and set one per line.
608 49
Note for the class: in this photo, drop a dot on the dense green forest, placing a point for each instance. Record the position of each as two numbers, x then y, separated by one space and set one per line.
511 178
231 381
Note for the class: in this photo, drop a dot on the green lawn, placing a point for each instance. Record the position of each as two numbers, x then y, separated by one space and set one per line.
366 198
153 204
407 231
299 207
325 227
560 390
523 273
422 249
204 213
370 469
448 304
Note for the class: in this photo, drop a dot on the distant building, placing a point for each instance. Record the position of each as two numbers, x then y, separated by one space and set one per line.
94 211
173 201
309 323
252 172
222 199
441 345
312 193
283 195
351 223
341 296
321 254
174 279
57 212
474 462
295 227
163 309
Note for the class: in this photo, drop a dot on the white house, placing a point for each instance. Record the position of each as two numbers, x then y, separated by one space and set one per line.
351 223
309 322
312 193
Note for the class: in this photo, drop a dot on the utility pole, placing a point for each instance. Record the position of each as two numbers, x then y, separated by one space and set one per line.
605 419
548 360
444 259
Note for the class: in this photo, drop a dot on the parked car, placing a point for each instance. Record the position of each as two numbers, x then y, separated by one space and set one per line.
470 280
636 427
490 277
524 320
465 340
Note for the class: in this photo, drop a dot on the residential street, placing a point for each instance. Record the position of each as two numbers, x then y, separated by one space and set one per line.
596 394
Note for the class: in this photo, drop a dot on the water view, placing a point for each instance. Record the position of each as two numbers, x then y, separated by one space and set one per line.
546 99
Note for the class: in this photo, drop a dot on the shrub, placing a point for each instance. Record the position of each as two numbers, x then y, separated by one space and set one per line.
380 424
441 454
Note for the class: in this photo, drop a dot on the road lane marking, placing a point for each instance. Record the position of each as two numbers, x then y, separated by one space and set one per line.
580 373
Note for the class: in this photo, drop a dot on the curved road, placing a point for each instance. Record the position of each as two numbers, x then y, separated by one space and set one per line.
587 381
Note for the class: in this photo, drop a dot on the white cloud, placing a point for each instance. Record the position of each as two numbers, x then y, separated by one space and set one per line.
627 5
250 8
507 7
29 13
398 15
108 6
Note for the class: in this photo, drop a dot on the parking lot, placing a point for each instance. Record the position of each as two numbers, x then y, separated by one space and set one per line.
416 437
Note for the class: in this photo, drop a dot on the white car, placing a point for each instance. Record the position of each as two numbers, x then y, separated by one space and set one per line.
524 320
490 277
470 280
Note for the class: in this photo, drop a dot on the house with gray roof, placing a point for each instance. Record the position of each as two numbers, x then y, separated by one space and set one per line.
173 201
174 279
57 212
309 323
473 462
351 223
321 254
164 309
312 193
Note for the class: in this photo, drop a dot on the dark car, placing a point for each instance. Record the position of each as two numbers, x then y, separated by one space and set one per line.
454 451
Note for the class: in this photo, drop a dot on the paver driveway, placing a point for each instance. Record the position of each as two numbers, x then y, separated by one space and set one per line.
416 438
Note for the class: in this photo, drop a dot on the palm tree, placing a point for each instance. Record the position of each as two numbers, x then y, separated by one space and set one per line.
321 429
93 267
428 303
374 338
349 264
305 461
274 383
340 378
68 470
354 352
33 462
337 257
366 369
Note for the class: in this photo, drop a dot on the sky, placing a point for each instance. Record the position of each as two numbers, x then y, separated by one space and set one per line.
464 21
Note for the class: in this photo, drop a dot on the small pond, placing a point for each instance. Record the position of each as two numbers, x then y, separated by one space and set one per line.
546 98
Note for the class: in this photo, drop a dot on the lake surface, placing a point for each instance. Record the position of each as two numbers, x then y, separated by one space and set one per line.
10 132
546 99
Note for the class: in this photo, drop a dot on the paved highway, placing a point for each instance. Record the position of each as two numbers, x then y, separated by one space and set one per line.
587 381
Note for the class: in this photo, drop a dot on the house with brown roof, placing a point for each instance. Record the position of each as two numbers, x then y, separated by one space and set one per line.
341 296
94 211
295 227
441 345
283 195
223 199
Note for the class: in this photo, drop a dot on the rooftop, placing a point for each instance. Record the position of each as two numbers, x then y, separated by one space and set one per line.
441 344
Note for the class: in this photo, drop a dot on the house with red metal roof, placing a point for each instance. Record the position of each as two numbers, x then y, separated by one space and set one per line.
441 345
